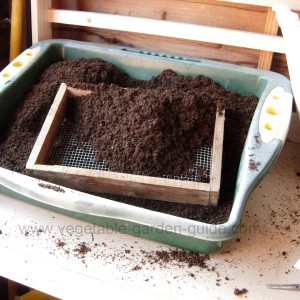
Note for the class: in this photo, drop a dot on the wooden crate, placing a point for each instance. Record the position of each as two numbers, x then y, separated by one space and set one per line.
98 181
245 31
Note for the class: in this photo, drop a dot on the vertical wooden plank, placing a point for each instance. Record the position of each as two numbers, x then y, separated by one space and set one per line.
266 57
217 152
41 28
50 128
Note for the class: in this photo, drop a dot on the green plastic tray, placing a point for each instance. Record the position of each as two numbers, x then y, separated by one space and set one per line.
180 232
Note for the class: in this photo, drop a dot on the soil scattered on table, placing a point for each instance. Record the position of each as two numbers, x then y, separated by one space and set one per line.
160 258
136 268
81 250
163 257
164 91
240 292
60 244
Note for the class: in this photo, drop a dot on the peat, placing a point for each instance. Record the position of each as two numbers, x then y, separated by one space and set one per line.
147 130
165 91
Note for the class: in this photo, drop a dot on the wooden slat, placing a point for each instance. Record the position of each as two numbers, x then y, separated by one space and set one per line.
40 27
169 29
50 128
224 53
201 12
215 177
266 57
125 184
289 23
293 4
248 15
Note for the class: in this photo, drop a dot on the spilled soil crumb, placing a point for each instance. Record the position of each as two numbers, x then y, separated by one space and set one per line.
60 244
159 258
81 250
240 292
136 268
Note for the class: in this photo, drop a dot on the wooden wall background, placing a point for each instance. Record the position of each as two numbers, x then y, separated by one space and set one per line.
203 12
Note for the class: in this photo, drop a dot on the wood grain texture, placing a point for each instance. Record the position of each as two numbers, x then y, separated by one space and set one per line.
46 137
293 4
40 28
96 181
250 15
271 27
215 177
171 29
219 52
211 13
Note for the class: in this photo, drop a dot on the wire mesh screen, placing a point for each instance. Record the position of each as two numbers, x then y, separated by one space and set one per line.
67 152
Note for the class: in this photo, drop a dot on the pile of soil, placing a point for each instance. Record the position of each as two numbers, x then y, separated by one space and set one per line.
166 98
150 130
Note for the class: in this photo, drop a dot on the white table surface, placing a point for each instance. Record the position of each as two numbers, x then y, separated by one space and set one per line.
265 251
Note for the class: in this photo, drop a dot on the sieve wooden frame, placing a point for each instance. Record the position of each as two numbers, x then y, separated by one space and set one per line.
99 181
